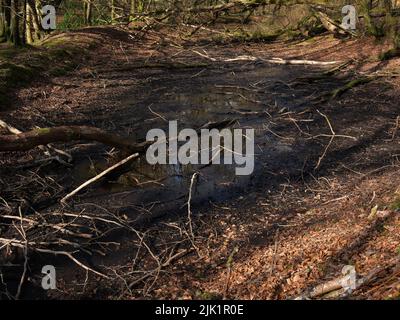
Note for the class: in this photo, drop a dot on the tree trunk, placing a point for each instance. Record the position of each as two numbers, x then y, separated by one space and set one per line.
133 10
35 20
23 21
113 12
88 11
28 30
14 23
3 22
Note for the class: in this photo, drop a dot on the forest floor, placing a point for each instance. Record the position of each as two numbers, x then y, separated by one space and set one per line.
324 194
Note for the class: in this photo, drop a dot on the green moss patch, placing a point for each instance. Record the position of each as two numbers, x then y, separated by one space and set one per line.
395 205
390 54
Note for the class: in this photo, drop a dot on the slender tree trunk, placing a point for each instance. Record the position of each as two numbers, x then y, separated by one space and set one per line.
133 10
35 20
23 23
87 7
3 22
28 31
14 23
112 12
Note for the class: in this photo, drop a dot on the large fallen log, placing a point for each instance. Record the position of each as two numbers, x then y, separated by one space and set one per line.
37 137
46 149
40 137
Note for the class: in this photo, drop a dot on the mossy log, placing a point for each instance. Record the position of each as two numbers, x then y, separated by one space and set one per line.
31 139
24 141
350 85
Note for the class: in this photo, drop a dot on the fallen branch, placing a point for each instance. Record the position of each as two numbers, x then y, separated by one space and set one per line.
335 288
161 266
191 235
351 84
37 137
9 128
98 177
47 148
332 138
21 244
272 60
202 28
301 62
25 251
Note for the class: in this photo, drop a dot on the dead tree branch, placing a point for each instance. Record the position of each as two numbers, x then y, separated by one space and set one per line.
37 137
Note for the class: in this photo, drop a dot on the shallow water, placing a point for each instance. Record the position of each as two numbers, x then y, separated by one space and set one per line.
248 94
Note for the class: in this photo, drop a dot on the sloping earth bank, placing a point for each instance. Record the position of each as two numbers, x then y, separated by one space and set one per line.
301 217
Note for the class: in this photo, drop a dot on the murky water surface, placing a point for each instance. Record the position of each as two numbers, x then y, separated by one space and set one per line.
247 96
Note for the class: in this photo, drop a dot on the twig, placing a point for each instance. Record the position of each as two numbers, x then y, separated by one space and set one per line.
332 137
229 264
163 265
275 252
156 114
204 55
189 215
190 199
56 227
25 249
69 255
21 244
396 128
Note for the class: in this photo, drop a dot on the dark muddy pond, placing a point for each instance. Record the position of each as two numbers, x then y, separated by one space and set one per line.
247 95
